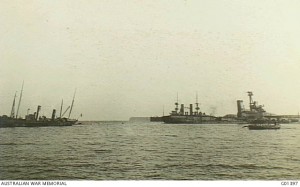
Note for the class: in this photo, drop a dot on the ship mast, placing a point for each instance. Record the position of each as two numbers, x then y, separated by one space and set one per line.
66 111
250 94
176 104
197 104
12 113
20 100
62 102
72 104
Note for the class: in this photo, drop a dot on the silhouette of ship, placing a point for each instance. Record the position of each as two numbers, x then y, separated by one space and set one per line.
254 112
34 120
191 117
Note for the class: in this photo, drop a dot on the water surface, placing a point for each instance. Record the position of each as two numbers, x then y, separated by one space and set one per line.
149 151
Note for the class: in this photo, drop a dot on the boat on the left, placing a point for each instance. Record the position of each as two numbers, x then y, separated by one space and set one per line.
35 120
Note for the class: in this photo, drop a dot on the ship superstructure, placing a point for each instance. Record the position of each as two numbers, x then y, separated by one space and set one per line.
254 112
35 120
181 116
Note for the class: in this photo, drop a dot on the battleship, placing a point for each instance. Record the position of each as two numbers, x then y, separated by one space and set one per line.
254 113
35 120
191 116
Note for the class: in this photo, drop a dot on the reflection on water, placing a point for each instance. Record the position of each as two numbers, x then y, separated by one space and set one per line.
149 151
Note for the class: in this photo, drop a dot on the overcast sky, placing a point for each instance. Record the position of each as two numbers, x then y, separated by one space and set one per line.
131 57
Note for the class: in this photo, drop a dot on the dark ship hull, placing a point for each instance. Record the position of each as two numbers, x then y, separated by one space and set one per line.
196 119
189 119
156 119
10 122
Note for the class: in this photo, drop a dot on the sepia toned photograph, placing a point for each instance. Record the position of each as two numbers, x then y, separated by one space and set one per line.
149 90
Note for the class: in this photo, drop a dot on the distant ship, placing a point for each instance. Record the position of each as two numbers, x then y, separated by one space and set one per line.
191 117
257 113
34 120
254 112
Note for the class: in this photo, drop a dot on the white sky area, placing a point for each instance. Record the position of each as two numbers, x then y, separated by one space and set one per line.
130 57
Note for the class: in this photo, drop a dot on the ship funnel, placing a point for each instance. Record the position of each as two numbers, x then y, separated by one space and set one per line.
53 114
182 109
37 112
191 109
239 108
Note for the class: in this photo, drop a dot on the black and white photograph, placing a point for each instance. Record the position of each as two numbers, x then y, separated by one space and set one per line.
149 92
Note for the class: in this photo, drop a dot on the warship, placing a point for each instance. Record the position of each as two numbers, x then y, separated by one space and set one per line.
254 114
190 117
255 111
34 120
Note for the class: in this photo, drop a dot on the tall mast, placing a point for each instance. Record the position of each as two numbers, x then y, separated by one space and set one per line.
12 113
197 104
72 104
62 102
250 94
176 104
20 100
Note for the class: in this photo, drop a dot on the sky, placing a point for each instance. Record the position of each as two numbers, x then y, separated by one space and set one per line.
131 57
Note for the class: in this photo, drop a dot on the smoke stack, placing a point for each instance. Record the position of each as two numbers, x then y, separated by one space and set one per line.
53 114
239 108
37 112
191 109
182 109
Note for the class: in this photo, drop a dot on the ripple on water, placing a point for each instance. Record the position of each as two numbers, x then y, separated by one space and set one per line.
111 151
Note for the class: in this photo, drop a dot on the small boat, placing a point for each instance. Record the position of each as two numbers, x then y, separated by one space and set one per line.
274 126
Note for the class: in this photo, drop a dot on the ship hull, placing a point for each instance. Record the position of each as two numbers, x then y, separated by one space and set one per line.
5 123
204 119
156 119
185 119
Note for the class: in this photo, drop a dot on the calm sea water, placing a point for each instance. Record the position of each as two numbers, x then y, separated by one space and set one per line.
149 151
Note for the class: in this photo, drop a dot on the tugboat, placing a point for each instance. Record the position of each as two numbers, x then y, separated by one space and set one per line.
34 120
263 124
269 126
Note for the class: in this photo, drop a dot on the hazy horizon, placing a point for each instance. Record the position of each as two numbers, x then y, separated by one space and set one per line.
130 58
